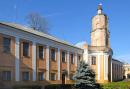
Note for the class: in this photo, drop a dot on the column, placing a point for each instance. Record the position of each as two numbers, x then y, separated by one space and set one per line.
111 70
76 59
34 60
68 64
17 59
47 63
98 67
58 64
106 67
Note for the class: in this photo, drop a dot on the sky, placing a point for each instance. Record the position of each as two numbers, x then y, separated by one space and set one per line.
70 20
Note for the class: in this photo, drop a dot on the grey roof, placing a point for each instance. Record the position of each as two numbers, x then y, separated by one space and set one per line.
35 32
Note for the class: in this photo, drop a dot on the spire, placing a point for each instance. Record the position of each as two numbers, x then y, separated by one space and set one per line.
99 10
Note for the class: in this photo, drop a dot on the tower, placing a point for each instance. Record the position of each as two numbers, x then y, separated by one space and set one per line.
100 33
100 53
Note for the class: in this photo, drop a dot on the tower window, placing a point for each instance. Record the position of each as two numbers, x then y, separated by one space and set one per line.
93 62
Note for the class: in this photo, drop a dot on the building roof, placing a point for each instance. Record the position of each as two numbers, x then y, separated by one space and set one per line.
35 32
117 60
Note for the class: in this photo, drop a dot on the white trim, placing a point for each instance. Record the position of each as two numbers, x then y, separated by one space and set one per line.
98 67
17 59
58 63
34 60
47 63
100 53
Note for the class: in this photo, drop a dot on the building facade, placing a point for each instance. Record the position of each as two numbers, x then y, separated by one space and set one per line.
126 71
28 56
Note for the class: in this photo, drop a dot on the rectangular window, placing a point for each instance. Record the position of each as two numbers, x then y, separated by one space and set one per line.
6 75
71 77
79 58
41 76
25 49
6 44
53 54
93 60
53 76
25 76
72 58
41 52
63 56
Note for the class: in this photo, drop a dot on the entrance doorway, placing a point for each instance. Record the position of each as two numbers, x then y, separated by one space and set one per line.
63 78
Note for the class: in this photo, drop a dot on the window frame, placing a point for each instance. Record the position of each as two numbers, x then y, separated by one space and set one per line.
6 76
54 77
23 76
93 60
5 50
24 49
64 56
41 78
71 76
72 58
53 57
41 53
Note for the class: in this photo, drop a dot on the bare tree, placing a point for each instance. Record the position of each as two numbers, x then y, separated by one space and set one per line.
37 22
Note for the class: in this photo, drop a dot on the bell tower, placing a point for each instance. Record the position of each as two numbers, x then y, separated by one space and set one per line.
100 33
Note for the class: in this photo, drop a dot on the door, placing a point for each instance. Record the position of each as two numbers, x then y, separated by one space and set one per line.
63 78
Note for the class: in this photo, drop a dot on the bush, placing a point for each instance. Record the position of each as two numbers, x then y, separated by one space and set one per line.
27 87
60 86
67 86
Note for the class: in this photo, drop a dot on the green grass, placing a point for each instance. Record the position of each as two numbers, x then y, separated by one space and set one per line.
116 85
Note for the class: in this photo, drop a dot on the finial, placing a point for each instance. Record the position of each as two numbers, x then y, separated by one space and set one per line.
99 8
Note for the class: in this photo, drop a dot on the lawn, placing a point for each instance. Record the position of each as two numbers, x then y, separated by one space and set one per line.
116 85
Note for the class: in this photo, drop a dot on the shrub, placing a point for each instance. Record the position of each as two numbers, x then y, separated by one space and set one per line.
67 86
60 86
27 87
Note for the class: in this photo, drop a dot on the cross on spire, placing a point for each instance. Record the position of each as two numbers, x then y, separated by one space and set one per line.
99 8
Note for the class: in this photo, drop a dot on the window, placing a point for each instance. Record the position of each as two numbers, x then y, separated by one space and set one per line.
71 77
41 53
72 58
63 56
79 58
41 76
6 75
53 54
6 44
25 49
93 60
25 76
53 76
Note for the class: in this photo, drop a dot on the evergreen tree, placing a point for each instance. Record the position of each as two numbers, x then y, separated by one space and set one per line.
84 76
